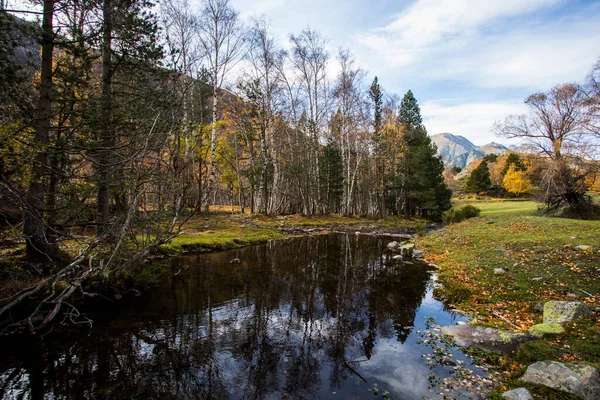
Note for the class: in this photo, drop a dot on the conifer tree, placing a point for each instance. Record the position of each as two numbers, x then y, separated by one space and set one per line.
376 95
420 170
479 180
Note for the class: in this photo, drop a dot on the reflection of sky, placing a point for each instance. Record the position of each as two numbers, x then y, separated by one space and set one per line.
273 343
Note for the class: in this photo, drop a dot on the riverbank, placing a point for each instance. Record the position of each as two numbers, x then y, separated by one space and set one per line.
499 269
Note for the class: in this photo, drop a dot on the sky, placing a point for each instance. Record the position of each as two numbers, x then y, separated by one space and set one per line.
468 62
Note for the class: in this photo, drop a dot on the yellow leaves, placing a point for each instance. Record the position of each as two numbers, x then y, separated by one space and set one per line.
516 182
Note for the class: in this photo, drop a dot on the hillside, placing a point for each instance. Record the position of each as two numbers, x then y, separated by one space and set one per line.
459 151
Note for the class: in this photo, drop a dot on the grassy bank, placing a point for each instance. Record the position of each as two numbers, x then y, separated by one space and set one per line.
543 263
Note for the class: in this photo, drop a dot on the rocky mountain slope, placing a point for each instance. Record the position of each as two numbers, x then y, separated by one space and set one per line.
458 151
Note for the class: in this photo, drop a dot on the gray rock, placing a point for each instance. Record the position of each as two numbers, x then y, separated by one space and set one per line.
486 338
539 307
392 245
418 254
583 247
578 379
499 271
564 311
397 257
518 394
448 361
537 278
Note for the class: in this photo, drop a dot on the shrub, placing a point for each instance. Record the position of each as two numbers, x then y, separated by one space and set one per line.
471 211
456 215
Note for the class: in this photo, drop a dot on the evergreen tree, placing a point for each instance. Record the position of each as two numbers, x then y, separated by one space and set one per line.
376 95
479 180
513 159
420 170
332 177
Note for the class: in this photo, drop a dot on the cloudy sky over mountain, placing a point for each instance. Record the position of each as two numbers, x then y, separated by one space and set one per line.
469 62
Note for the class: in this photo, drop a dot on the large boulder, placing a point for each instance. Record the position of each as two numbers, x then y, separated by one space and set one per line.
560 312
518 394
578 379
486 338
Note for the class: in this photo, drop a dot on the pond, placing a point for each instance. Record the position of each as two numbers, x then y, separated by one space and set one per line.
328 316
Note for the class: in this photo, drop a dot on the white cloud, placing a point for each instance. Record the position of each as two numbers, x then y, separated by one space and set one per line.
471 120
428 22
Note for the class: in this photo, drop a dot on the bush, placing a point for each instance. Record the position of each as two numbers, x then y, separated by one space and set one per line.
471 211
456 215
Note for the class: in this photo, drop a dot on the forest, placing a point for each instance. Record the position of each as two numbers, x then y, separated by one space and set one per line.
127 118
124 119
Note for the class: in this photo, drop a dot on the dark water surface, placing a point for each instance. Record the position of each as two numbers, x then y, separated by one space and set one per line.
316 317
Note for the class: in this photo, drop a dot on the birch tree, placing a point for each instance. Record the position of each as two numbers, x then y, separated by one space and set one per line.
222 41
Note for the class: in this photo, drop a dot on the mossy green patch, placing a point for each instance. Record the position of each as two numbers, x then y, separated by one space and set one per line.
540 330
220 239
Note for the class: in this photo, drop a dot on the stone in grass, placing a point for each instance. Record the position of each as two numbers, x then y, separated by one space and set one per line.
561 312
581 380
518 394
540 330
499 271
486 338
583 247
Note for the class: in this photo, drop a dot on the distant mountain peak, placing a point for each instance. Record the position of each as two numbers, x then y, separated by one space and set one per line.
459 151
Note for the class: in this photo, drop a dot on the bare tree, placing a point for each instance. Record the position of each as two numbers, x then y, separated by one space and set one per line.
555 124
222 41
557 127
592 90
309 57
349 98
263 92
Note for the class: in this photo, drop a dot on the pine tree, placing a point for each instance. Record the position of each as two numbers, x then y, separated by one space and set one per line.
420 170
332 177
376 95
513 159
479 180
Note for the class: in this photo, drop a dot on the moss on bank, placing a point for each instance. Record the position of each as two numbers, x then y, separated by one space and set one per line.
220 239
542 262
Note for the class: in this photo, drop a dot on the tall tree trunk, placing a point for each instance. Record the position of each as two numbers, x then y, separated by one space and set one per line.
34 225
106 136
213 150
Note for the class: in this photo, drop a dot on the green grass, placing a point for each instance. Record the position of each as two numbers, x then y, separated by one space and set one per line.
502 207
508 235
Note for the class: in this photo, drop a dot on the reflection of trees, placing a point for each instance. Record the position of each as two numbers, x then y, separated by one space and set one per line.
285 320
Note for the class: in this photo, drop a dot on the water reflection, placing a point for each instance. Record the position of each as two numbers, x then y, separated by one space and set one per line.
316 317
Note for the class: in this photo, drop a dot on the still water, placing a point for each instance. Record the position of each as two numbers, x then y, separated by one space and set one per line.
330 317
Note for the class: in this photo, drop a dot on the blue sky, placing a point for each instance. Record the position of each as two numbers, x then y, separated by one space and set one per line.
469 62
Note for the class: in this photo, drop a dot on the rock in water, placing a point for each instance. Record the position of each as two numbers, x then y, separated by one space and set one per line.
518 394
578 379
392 245
485 338
561 312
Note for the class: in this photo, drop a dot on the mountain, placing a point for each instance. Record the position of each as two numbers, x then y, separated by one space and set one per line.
459 151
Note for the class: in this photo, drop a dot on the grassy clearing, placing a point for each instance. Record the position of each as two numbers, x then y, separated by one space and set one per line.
502 207
543 263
